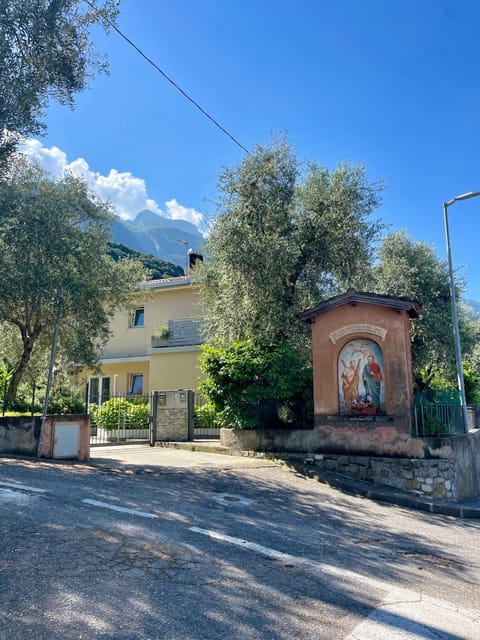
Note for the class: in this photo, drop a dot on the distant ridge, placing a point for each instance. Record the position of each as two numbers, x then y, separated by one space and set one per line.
157 267
153 234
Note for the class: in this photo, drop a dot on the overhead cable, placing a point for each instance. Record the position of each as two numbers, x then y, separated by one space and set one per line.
167 77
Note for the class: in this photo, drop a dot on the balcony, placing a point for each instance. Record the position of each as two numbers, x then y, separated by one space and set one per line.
179 333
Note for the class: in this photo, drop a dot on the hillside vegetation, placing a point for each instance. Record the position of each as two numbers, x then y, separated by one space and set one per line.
157 267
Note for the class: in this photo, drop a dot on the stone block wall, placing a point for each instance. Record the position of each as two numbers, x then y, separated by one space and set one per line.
445 467
427 477
172 424
464 449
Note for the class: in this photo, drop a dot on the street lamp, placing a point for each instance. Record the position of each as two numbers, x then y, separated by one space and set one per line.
185 244
50 370
456 331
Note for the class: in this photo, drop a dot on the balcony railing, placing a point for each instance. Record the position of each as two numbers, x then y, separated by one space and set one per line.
180 333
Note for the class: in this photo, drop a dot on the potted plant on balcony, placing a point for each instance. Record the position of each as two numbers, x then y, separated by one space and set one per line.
160 337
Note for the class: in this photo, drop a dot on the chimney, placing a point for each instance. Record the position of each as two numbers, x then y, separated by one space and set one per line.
193 258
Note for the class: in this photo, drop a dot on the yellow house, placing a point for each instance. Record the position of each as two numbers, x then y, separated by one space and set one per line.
154 346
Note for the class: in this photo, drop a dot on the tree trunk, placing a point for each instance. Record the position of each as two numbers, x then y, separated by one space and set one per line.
19 371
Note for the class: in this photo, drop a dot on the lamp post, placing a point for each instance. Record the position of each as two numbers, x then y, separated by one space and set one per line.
456 331
50 371
185 244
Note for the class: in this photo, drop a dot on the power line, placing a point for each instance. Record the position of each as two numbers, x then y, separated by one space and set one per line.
172 82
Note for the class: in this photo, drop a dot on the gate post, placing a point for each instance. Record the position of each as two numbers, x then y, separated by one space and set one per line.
191 414
153 419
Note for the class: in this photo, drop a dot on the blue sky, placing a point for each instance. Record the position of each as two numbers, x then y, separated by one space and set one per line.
391 84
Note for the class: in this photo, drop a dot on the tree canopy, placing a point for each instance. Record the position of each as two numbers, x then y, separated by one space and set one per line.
283 237
409 268
286 236
54 259
46 54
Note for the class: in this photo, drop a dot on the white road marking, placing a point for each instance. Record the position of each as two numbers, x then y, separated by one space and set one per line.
22 487
296 561
114 507
405 615
402 615
16 497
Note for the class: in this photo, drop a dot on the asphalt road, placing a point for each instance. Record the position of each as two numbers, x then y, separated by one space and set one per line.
200 546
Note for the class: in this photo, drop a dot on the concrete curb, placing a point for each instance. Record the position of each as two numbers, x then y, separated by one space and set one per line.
385 494
197 446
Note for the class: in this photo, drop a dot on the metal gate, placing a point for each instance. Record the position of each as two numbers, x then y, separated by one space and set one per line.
204 426
168 415
120 420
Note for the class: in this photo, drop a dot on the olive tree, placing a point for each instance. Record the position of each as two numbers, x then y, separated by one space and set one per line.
46 54
409 268
284 236
55 263
282 239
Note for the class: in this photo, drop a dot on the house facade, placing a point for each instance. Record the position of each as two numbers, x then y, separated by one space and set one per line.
154 346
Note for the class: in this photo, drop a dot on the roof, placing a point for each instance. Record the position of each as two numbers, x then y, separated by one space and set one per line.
352 297
162 283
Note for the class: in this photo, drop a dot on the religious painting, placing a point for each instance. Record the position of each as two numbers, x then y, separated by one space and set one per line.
360 378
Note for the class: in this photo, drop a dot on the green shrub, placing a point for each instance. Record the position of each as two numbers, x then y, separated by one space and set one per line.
64 398
249 383
206 417
472 384
433 426
122 412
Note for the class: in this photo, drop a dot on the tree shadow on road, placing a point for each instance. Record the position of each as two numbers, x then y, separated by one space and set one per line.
90 575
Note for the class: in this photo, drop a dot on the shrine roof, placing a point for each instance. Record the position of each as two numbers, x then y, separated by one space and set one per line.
352 297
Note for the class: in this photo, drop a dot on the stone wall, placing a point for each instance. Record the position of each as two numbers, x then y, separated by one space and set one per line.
377 436
366 438
172 424
270 439
433 477
446 467
173 414
19 435
465 450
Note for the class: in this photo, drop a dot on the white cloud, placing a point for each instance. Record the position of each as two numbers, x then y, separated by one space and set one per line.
176 211
53 160
127 193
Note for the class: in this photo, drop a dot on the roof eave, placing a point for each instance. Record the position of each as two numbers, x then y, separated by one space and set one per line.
413 307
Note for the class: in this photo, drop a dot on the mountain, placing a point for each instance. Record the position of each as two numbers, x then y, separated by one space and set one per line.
158 268
159 236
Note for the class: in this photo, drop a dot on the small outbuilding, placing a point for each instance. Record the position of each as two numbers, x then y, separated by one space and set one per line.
363 387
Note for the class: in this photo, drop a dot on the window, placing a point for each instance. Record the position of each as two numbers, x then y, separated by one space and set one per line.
138 318
136 384
98 390
93 393
105 389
